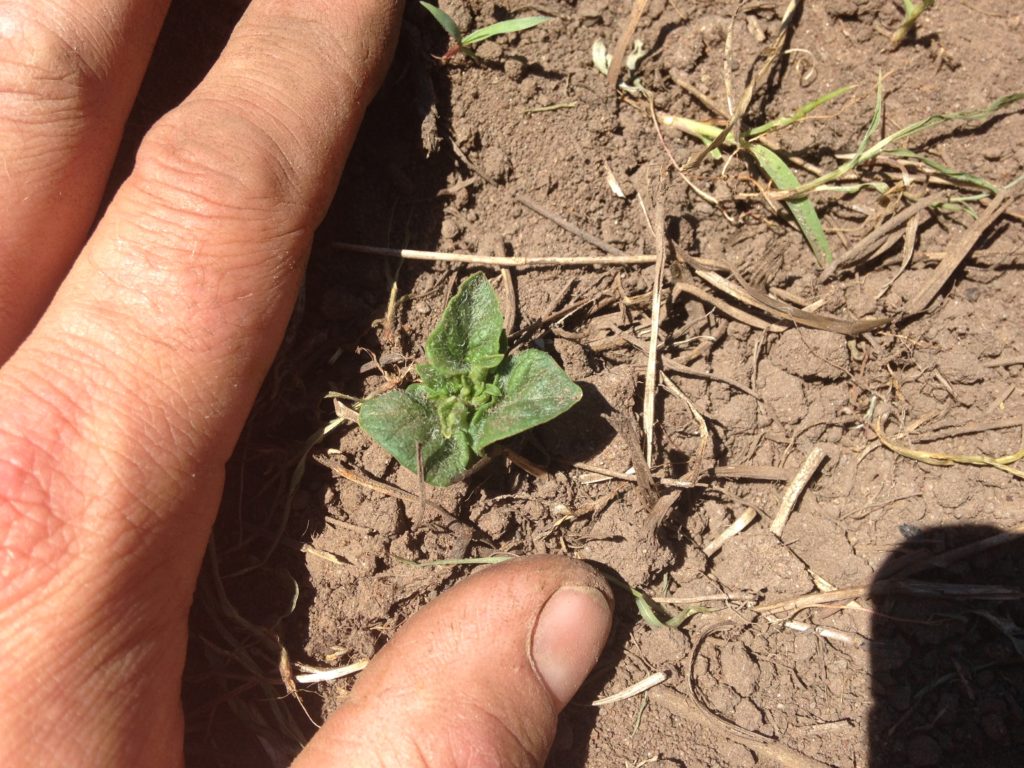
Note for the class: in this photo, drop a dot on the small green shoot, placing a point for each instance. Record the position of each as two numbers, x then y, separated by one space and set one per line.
463 43
911 11
795 194
472 393
865 153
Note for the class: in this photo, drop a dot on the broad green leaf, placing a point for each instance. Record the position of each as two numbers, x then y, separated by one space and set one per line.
433 378
503 28
445 21
801 208
470 330
445 459
534 391
487 360
402 419
399 420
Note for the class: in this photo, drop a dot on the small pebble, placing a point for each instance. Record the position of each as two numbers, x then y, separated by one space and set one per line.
515 68
450 229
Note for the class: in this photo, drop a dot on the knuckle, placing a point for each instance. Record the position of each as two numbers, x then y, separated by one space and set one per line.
475 733
44 75
208 163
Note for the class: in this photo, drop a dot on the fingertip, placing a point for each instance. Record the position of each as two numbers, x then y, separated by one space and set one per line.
570 634
478 677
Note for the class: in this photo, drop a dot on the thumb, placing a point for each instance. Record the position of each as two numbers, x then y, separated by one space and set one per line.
478 677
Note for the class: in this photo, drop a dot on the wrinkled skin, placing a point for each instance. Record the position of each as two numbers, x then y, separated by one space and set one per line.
132 351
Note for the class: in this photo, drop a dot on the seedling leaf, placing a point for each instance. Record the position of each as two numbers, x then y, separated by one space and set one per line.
944 170
472 395
800 114
446 21
910 14
801 208
470 330
506 27
534 390
402 420
865 154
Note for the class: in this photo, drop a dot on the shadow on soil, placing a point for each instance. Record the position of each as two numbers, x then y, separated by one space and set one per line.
947 655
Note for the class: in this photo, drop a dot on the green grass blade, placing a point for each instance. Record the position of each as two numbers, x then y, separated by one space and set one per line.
445 21
910 14
506 27
969 116
876 118
865 155
945 171
800 114
801 208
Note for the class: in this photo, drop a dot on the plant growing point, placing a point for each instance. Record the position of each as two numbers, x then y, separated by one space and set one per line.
463 43
471 395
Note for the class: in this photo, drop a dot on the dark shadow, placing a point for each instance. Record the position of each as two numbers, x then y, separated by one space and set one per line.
759 108
947 651
580 433
929 41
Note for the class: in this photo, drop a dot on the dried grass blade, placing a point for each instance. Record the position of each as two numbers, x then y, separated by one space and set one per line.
796 487
651 378
769 55
738 526
870 243
633 690
961 249
704 447
521 262
779 309
625 38
335 673
727 309
941 459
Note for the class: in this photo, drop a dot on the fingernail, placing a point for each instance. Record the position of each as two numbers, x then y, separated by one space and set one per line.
570 633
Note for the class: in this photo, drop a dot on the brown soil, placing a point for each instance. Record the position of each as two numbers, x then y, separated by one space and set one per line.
449 160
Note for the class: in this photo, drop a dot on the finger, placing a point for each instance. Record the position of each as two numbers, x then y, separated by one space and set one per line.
69 72
119 411
479 676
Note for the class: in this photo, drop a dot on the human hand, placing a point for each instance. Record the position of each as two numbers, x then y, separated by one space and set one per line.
120 406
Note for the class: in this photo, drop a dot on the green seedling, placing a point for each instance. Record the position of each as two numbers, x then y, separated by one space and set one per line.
911 11
464 43
775 168
472 393
796 194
